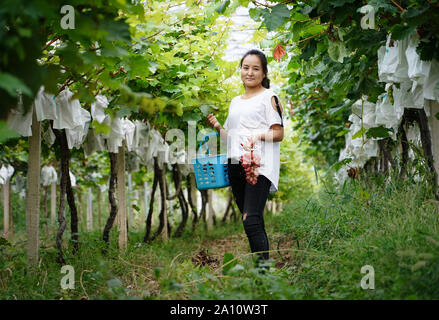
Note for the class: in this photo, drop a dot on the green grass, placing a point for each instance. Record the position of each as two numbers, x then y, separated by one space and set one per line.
318 247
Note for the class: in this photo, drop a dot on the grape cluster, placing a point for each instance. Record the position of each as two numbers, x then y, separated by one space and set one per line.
251 163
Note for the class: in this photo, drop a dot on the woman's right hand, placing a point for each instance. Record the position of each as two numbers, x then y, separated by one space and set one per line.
213 122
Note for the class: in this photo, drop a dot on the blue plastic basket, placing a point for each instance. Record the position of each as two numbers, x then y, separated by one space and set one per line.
211 172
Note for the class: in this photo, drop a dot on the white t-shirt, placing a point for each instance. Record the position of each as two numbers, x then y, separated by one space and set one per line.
248 117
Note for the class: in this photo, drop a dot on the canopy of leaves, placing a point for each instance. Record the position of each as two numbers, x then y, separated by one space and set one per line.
332 61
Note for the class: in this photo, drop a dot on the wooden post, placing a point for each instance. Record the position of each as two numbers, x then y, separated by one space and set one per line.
90 210
135 201
46 212
130 202
53 212
11 219
209 209
99 207
33 192
434 125
121 198
80 219
194 191
6 200
165 234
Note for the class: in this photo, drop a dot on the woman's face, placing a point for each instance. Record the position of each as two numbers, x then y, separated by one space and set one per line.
251 71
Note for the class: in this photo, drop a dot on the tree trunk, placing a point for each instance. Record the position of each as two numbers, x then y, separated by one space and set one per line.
64 171
204 208
111 198
121 199
404 146
145 199
427 147
212 212
226 213
234 215
192 196
434 126
61 216
33 192
163 225
151 202
386 155
177 173
65 158
183 204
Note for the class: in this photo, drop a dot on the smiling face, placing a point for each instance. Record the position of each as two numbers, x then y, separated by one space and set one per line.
252 73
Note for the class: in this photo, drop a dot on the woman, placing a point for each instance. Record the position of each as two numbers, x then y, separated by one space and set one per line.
253 122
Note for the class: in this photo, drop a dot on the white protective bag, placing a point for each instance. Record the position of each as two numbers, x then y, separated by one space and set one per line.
6 173
401 72
116 135
68 112
49 136
128 128
140 139
368 113
417 93
403 97
20 122
72 179
93 142
76 136
392 62
45 105
389 62
431 85
98 107
48 175
418 70
387 114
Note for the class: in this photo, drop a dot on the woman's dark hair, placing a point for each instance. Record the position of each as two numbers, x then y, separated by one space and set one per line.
265 82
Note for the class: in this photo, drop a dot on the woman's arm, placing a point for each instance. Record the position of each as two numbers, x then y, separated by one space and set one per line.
276 132
214 123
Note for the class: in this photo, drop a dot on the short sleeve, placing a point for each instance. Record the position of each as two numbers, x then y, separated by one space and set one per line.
271 114
226 123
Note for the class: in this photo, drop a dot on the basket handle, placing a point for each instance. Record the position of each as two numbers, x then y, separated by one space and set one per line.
205 139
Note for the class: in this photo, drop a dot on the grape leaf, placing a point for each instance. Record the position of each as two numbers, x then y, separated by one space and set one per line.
378 132
276 17
11 84
222 7
359 133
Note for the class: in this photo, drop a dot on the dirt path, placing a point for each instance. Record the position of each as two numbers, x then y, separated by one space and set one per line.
211 253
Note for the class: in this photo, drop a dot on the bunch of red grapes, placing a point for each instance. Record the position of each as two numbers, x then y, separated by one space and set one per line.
251 163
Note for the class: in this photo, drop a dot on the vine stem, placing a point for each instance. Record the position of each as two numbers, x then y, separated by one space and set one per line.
50 42
397 5
311 37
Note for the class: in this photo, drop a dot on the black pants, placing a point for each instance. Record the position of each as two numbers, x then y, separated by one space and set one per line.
251 202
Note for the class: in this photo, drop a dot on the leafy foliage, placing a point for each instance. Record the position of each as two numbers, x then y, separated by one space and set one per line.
333 61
